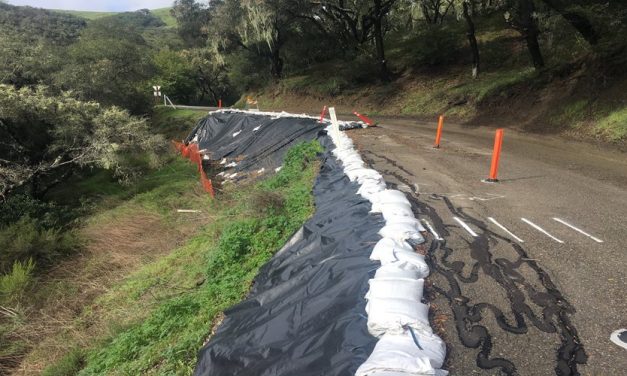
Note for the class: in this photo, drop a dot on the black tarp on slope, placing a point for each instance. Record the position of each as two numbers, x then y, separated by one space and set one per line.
262 148
305 313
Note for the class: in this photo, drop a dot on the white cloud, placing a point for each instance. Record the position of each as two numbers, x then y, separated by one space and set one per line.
95 5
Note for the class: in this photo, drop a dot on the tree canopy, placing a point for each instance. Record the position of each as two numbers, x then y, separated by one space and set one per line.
43 137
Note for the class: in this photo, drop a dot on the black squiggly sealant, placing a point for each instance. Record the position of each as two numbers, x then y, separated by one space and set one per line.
556 311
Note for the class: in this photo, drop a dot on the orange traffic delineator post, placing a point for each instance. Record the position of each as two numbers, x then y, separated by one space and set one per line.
438 134
496 155
364 118
324 112
219 103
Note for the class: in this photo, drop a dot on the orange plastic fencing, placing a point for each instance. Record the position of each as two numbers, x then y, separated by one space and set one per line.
192 153
206 183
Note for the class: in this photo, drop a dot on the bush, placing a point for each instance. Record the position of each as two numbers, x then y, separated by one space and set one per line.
26 239
14 284
433 45
48 214
247 71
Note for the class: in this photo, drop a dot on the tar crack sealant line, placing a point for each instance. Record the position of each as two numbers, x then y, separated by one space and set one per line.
395 311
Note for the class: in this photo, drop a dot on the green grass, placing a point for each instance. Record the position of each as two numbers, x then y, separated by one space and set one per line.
93 201
175 124
571 115
163 13
70 365
89 15
614 125
169 306
166 17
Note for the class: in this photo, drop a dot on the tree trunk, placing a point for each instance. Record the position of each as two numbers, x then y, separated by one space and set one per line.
579 21
378 41
472 40
530 32
277 63
534 49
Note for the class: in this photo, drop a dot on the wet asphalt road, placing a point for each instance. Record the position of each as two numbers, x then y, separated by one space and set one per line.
526 306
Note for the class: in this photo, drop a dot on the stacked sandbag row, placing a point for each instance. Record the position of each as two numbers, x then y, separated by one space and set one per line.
396 312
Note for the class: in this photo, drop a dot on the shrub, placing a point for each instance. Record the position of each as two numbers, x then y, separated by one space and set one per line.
14 284
434 45
26 239
48 214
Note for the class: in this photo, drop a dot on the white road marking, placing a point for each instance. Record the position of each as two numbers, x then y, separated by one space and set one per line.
464 196
431 229
578 230
541 230
494 197
506 230
466 227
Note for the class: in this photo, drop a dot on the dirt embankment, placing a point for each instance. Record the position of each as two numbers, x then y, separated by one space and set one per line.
574 101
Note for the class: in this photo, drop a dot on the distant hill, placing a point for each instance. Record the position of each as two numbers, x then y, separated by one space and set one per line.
90 15
162 13
35 23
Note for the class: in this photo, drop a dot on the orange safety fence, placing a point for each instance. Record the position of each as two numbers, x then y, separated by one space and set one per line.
192 153
206 183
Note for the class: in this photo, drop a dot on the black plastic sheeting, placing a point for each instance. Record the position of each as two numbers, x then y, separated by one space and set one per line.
261 140
305 314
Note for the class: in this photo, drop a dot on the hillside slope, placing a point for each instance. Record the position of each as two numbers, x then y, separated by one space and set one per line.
162 13
580 92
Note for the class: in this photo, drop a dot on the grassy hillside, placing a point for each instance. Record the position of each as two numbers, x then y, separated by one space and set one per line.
572 95
89 15
162 13
149 283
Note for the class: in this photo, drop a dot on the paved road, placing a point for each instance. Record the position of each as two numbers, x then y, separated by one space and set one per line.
516 301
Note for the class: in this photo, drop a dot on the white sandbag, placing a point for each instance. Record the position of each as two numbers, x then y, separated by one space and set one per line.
438 372
418 261
400 355
402 231
390 210
367 178
395 288
385 250
398 269
391 196
362 172
406 220
370 187
391 315
352 158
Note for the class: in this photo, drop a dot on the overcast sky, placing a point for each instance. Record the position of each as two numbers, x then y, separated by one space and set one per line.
99 5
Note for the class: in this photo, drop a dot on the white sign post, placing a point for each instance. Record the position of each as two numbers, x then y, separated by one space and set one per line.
157 93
